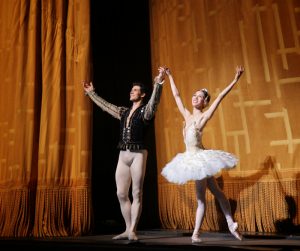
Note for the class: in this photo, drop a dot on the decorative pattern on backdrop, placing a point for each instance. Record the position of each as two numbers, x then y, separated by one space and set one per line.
202 41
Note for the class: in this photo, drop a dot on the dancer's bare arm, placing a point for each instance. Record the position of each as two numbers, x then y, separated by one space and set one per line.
185 113
210 111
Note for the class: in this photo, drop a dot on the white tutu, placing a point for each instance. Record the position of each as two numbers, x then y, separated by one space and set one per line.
197 165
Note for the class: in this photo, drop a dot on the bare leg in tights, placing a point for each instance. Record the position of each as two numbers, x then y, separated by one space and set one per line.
130 170
225 206
201 207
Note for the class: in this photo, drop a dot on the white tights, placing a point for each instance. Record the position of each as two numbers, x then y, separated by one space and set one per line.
223 201
220 196
130 171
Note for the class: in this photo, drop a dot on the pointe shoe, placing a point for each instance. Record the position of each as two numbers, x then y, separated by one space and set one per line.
196 239
132 237
237 235
233 230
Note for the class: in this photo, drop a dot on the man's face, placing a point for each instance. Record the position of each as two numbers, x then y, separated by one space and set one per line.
135 94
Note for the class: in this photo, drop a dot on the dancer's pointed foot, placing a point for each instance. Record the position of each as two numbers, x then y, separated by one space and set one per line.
233 226
132 236
233 230
237 235
122 236
195 238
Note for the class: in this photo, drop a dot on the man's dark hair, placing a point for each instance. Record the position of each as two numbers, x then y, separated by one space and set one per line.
142 87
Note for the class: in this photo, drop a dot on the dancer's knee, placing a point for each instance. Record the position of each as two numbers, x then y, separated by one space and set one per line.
137 195
122 196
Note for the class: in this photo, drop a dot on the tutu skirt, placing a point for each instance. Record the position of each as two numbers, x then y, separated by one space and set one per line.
197 165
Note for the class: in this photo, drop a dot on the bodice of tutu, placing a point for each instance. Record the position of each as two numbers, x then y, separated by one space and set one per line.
196 163
192 138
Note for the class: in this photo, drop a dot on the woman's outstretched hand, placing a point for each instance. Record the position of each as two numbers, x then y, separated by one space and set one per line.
168 71
238 72
161 74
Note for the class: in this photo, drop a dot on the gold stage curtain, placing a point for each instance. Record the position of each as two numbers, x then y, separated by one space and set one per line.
45 122
202 41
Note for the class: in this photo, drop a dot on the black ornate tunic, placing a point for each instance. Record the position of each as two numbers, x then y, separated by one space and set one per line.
132 134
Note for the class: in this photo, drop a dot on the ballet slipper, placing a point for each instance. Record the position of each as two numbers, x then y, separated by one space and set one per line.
122 236
233 230
195 238
132 236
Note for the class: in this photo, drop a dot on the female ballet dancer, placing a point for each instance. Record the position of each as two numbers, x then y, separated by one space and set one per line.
197 163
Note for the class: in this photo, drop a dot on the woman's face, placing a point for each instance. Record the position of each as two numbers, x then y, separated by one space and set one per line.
198 99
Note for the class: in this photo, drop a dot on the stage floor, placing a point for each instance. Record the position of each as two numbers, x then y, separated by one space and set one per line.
158 240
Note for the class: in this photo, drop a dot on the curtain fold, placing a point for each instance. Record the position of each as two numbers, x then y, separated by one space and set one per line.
45 123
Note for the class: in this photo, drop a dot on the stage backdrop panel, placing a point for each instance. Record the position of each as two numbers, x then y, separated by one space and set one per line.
202 41
45 122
